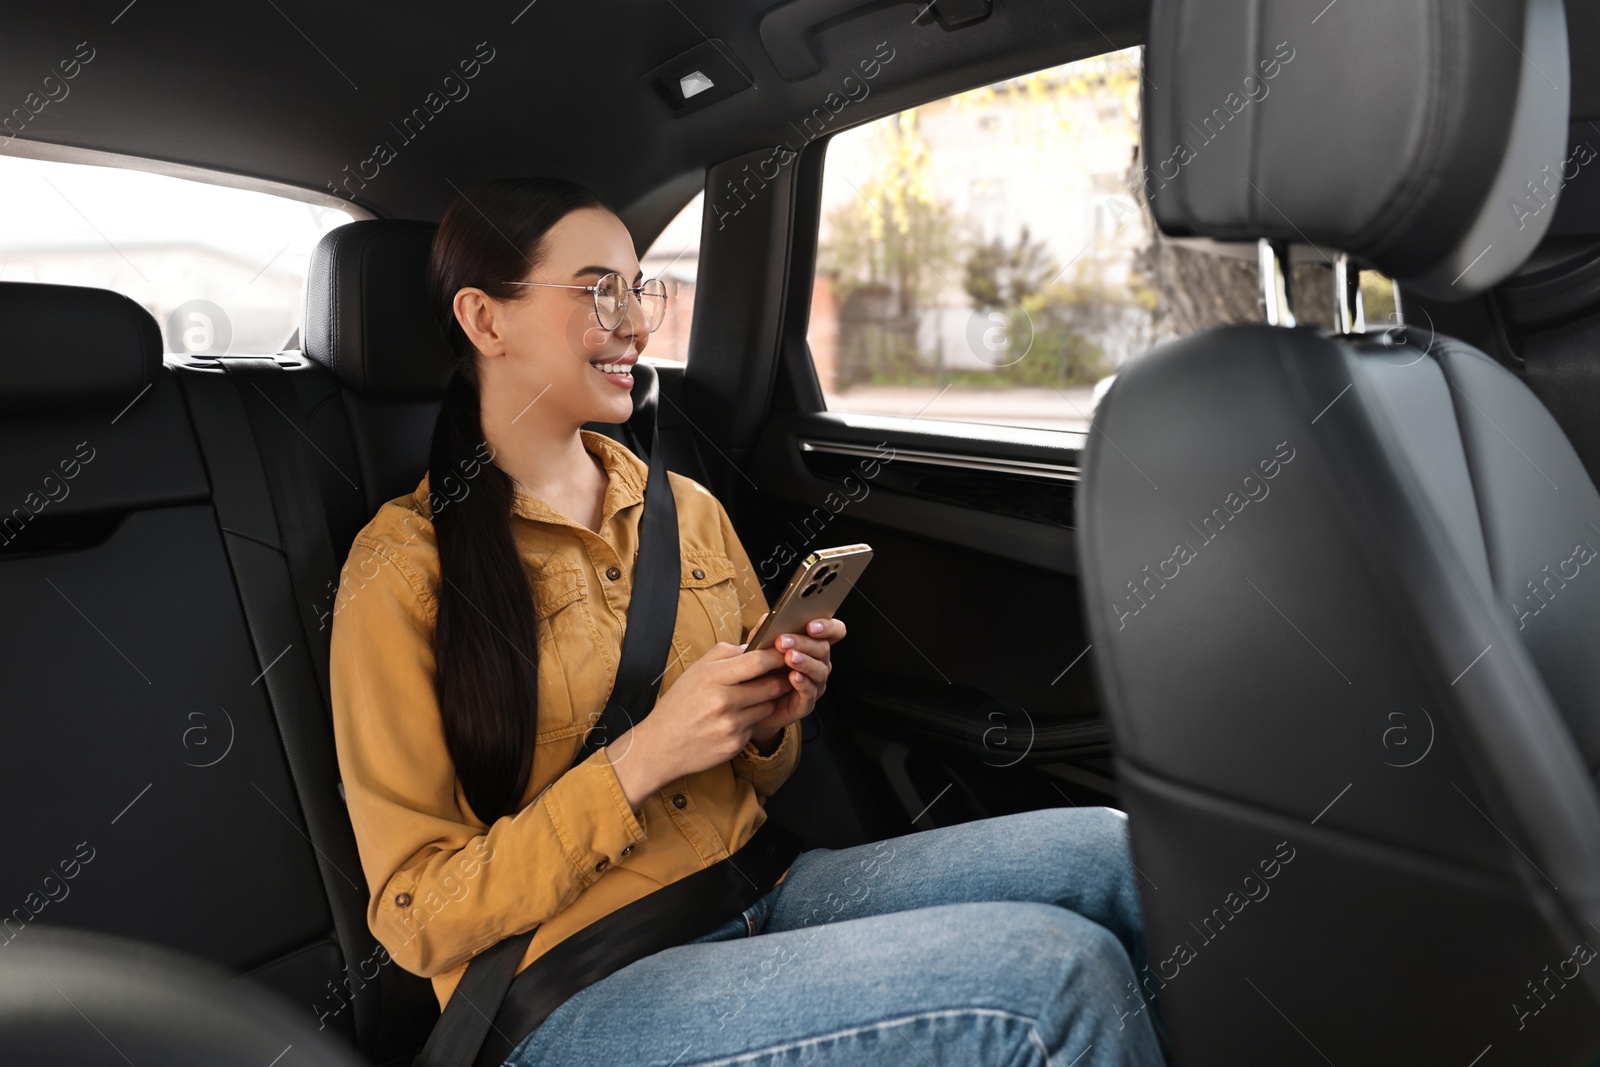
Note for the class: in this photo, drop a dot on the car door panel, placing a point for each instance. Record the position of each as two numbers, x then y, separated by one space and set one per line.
964 665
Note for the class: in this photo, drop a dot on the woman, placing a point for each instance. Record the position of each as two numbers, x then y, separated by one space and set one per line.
476 636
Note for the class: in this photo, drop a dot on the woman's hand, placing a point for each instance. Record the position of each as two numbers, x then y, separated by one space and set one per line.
703 720
809 657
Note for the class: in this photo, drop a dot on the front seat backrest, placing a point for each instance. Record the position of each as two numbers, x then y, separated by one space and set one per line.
1340 588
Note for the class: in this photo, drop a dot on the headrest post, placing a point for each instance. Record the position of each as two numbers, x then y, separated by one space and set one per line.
1274 283
1349 309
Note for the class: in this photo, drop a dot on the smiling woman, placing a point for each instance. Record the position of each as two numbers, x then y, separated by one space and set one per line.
470 675
493 625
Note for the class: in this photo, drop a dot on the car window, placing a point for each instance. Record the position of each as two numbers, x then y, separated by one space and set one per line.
221 269
673 257
979 255
991 256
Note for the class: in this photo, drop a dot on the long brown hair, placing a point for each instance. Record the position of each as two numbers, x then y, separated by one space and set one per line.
484 642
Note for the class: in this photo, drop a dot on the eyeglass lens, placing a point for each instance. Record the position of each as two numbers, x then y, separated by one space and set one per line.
611 296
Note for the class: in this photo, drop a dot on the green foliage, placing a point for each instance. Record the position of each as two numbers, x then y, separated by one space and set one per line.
897 251
897 231
998 275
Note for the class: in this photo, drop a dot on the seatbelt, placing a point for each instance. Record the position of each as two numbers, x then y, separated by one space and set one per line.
652 614
487 996
669 917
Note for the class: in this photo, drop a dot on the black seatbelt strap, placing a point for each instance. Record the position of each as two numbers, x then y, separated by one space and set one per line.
653 608
652 616
669 917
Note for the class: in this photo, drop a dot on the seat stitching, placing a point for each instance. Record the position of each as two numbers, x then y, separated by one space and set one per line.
1456 397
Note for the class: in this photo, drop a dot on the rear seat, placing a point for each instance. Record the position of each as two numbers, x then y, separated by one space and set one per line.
178 784
169 569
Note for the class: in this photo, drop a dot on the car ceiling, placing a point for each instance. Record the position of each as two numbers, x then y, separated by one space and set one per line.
294 92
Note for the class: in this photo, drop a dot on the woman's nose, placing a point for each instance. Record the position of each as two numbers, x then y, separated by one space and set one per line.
635 323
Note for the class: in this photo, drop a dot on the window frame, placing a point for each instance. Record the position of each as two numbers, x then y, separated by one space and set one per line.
46 152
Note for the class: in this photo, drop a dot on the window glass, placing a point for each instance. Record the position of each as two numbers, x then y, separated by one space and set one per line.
222 270
673 258
980 256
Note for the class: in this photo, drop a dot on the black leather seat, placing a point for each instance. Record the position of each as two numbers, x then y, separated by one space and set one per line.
1345 591
97 1000
152 789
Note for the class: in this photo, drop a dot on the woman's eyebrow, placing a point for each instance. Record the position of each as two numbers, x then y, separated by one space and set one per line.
600 271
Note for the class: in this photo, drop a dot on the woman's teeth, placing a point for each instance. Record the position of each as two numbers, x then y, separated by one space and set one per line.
611 368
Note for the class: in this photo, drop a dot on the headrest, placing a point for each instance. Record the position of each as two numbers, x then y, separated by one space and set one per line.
368 317
68 347
1559 283
1427 138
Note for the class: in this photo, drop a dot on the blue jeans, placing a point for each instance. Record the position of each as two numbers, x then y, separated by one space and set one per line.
1007 941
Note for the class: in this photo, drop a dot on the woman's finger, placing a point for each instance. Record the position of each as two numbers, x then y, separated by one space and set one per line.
811 646
770 686
805 689
758 624
829 630
748 665
814 668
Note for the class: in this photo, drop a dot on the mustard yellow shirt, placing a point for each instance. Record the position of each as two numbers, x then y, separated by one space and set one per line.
445 886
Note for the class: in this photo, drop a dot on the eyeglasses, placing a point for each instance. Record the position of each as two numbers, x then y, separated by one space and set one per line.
611 299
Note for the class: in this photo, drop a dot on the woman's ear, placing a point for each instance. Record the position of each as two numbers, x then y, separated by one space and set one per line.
479 317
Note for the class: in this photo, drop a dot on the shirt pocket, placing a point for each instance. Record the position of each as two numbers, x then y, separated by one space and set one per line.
569 656
709 609
555 585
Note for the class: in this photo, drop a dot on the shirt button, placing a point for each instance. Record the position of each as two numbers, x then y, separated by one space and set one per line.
602 865
680 801
698 573
613 573
402 900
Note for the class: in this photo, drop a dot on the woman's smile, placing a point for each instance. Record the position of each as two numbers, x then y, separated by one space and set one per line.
618 370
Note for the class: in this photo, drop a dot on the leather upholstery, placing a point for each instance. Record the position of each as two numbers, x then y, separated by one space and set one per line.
1349 658
68 347
143 1005
367 315
1344 593
1408 133
150 762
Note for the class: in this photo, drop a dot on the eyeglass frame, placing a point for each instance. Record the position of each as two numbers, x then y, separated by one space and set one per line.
636 292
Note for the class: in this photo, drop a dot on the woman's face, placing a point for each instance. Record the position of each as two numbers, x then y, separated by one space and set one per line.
547 349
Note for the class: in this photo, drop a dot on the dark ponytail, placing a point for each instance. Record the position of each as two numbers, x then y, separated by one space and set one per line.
484 642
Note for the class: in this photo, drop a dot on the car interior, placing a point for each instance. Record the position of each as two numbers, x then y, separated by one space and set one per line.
1379 683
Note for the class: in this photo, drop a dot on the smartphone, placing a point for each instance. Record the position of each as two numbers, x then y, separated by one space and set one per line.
817 589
